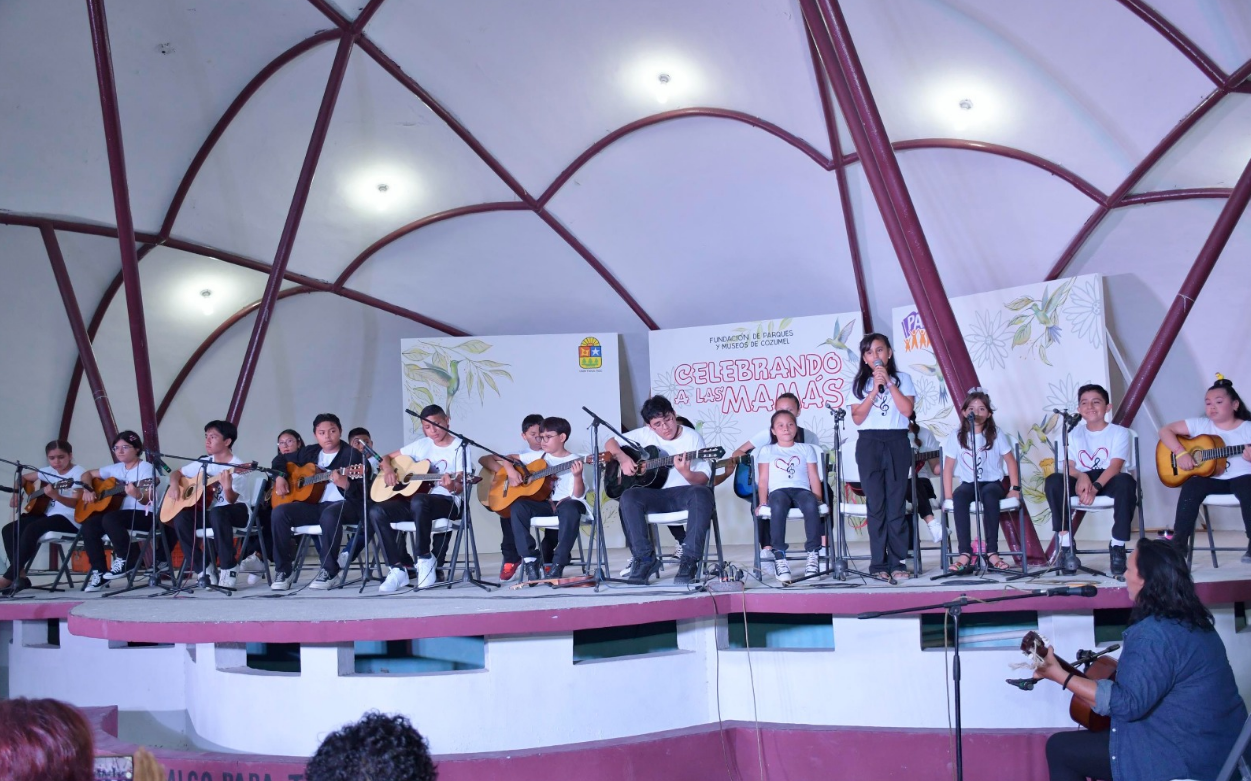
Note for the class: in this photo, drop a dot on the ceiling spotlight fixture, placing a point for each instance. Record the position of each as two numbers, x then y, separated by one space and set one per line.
382 188
662 91
966 104
206 304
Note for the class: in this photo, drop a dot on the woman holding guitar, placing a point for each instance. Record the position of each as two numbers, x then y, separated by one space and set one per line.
1230 420
135 477
54 492
1174 704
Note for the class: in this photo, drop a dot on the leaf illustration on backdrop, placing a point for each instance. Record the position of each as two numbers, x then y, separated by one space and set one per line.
1019 303
437 369
490 381
1042 312
475 346
785 322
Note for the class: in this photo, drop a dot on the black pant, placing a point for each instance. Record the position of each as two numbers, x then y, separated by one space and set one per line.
1123 489
1193 492
884 458
780 503
992 494
331 516
568 511
33 527
117 525
223 520
423 510
923 497
636 503
1077 756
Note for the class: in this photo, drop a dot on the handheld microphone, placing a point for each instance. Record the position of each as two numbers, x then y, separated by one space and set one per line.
1066 591
877 363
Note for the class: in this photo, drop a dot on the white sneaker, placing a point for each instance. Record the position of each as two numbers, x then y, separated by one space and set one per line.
397 579
824 553
936 530
323 580
96 581
226 579
766 562
118 569
343 559
782 568
629 565
813 566
252 564
282 582
210 572
425 572
677 551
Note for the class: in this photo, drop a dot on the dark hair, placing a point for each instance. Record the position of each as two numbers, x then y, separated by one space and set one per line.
432 410
1241 413
532 420
914 429
58 444
130 438
298 439
359 431
865 373
327 417
788 395
379 746
656 407
225 428
1102 391
773 438
556 426
989 429
44 740
1167 590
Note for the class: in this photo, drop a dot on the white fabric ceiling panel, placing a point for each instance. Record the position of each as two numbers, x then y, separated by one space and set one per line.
1221 28
991 222
539 82
52 159
884 279
708 221
240 200
92 262
1083 84
382 135
117 371
1212 154
178 65
499 273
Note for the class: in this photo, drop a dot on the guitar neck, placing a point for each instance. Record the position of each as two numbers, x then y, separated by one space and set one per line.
1219 452
559 468
926 455
656 463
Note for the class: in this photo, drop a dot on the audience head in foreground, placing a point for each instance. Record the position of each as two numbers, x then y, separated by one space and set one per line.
379 747
44 740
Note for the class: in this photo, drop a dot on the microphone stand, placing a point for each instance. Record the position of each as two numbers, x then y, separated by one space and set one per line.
979 562
154 577
602 573
372 559
473 571
10 592
953 609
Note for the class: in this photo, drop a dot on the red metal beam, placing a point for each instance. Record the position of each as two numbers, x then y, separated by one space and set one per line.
1185 300
1178 39
840 177
846 76
125 225
86 355
212 338
1175 195
287 240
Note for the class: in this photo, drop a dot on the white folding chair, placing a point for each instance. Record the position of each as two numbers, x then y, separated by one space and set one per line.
1214 500
540 523
764 513
1104 504
60 540
1006 505
252 490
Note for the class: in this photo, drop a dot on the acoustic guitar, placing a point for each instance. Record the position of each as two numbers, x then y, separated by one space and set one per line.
651 468
307 482
109 496
1095 666
1209 452
501 495
39 502
411 478
184 492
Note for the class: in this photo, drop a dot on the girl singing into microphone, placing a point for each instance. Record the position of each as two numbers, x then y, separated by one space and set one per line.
883 453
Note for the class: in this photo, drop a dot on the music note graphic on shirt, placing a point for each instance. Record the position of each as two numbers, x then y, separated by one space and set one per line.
882 402
966 458
789 466
1096 460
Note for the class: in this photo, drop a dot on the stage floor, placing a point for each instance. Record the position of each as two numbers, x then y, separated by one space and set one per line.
256 614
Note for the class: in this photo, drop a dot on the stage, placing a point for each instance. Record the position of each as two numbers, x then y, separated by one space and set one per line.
535 680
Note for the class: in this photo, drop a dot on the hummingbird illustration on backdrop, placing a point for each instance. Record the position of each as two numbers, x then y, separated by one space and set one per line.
839 340
449 380
932 370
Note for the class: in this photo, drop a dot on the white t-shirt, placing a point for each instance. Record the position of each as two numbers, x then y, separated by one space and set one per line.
989 462
442 459
788 466
530 456
332 492
563 489
687 440
883 415
118 471
1236 466
192 469
762 438
49 475
1096 449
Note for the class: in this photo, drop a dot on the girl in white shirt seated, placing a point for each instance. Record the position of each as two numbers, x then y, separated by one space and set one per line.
788 477
981 444
52 510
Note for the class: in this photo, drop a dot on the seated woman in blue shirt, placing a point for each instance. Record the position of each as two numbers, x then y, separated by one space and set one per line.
1174 705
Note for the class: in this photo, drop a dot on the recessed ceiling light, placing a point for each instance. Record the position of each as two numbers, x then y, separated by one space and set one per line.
206 303
382 188
966 104
662 88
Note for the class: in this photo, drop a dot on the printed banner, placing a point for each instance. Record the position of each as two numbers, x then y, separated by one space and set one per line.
1032 347
489 384
724 379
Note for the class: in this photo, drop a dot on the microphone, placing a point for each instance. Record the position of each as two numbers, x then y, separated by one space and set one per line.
1070 420
877 363
367 450
1066 591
